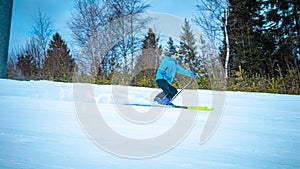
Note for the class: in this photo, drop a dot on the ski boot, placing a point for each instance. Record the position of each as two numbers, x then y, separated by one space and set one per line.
167 101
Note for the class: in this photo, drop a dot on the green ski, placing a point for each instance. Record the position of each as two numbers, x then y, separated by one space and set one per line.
199 108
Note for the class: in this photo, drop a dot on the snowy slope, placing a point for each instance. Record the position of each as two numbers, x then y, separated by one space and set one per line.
40 127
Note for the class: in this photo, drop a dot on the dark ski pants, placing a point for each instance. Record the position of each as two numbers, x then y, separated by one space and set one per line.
169 90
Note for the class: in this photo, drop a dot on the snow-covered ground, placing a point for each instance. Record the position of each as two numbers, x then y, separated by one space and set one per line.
43 125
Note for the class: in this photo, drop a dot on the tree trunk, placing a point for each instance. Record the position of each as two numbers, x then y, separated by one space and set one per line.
227 41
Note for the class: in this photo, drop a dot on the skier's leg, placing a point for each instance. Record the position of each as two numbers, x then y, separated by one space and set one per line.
164 85
173 91
160 95
168 90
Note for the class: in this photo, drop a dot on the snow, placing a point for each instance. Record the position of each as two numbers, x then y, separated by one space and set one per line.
41 127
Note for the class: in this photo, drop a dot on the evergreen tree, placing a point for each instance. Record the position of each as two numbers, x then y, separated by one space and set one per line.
278 27
264 35
187 49
189 58
244 49
27 66
170 44
59 64
149 60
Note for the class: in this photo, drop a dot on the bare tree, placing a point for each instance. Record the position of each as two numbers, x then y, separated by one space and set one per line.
106 32
212 18
86 22
41 34
11 65
226 40
128 24
86 19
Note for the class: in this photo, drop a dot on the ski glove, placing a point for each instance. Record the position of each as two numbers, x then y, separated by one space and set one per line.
195 75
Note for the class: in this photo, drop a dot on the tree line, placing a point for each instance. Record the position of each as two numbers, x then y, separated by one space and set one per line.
256 41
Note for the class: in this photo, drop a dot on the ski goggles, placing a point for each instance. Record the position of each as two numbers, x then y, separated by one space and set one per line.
176 55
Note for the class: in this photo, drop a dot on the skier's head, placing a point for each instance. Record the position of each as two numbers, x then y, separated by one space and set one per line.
171 52
175 55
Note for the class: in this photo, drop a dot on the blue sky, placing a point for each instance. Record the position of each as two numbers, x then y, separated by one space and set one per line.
59 12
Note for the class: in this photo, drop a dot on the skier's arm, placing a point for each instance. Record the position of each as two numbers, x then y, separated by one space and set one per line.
183 71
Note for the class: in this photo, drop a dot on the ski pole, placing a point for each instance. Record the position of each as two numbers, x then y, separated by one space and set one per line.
190 82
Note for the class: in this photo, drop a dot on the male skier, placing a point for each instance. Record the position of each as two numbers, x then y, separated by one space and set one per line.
165 76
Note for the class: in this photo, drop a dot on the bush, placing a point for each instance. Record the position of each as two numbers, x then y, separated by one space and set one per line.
145 82
283 84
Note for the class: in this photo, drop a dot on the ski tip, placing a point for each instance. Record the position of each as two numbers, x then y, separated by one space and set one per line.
201 108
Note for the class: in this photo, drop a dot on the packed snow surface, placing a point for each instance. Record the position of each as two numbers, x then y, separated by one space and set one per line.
40 128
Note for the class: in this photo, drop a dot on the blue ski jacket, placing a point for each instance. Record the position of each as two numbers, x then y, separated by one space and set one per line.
168 68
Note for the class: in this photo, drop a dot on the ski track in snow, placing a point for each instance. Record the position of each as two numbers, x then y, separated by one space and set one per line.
39 129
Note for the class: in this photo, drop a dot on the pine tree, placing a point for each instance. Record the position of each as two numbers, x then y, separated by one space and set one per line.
187 49
149 60
244 49
27 66
59 64
278 27
171 45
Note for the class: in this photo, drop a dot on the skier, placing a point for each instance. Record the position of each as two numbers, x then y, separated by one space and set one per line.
165 76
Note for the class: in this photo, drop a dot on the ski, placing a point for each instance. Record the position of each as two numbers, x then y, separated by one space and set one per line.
200 108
